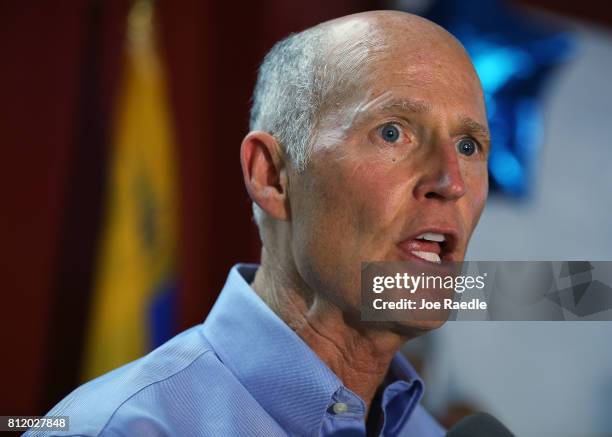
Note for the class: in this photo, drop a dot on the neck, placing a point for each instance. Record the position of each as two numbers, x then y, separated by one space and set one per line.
360 357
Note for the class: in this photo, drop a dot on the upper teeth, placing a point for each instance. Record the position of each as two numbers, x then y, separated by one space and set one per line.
431 236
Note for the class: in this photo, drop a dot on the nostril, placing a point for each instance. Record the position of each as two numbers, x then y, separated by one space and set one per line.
433 195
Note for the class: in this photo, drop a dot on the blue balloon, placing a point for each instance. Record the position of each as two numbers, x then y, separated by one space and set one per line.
514 55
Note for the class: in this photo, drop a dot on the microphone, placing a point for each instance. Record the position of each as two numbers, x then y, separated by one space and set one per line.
479 425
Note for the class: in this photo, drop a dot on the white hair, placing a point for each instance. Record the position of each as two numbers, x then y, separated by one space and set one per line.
302 77
287 95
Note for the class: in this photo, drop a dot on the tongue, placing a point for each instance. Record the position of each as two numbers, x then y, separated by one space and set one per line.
420 246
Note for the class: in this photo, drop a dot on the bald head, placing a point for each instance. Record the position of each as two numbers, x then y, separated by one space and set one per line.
312 73
376 28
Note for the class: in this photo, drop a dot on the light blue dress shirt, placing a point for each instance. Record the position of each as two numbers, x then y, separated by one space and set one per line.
243 372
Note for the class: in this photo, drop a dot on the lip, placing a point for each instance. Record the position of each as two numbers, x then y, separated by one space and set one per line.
447 249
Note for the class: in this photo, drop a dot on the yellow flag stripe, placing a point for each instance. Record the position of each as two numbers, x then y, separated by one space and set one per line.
138 242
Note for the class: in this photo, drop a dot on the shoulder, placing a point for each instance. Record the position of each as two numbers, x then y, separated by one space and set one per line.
139 394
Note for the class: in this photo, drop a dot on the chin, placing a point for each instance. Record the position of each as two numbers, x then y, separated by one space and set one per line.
408 330
417 327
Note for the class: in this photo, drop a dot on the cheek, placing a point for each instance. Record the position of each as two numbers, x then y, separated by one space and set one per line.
351 209
349 215
373 193
477 192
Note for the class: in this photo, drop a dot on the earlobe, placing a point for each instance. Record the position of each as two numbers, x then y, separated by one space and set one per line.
264 172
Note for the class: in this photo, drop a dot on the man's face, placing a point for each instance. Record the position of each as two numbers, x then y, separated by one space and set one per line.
407 156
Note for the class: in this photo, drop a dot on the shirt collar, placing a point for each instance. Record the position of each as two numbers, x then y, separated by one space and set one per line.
245 333
403 391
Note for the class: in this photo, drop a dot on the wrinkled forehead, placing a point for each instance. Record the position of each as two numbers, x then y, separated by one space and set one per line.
369 58
380 70
443 78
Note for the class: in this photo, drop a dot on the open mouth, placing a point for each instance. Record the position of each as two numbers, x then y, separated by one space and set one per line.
430 246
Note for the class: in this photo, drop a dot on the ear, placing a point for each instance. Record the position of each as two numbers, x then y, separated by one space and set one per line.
265 175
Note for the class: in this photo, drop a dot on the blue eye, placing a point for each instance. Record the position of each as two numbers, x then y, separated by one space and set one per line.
466 146
390 133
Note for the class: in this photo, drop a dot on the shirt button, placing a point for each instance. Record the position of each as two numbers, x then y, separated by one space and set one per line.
340 407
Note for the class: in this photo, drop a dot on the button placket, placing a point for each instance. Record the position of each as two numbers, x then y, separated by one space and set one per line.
339 408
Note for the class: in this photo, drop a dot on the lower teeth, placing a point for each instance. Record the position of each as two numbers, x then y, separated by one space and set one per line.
428 256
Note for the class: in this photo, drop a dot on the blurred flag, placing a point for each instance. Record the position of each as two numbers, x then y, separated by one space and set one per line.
132 304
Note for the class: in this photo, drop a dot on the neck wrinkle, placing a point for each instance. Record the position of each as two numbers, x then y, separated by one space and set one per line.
359 358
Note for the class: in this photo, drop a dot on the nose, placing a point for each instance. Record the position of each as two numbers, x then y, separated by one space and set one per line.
442 178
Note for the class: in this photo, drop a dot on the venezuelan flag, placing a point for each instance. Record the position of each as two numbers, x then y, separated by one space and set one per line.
132 305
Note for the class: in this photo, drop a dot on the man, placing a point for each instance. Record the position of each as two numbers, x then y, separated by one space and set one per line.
368 142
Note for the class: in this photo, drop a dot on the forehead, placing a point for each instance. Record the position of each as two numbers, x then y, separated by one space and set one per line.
420 69
414 90
436 77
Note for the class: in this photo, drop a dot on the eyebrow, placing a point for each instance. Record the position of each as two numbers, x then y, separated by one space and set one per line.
473 127
467 124
395 105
